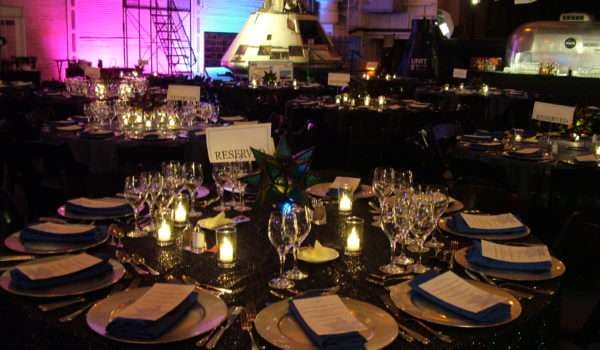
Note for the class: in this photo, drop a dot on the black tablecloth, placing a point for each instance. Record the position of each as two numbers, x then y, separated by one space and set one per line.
26 327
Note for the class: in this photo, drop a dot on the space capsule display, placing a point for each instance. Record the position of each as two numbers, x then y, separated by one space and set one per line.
280 31
570 47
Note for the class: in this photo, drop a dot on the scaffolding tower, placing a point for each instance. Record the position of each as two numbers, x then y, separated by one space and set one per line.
159 32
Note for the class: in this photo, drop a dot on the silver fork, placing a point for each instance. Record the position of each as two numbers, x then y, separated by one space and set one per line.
247 323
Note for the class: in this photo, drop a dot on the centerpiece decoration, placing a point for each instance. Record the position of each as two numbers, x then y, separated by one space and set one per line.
269 78
283 176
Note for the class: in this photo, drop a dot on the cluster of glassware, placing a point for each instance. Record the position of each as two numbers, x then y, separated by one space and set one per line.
123 88
170 197
347 100
408 211
230 176
287 229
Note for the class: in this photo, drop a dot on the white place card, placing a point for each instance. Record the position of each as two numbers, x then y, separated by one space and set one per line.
61 229
459 73
183 93
338 79
527 150
515 254
158 301
327 315
494 222
352 182
553 113
99 203
233 143
60 267
454 290
588 158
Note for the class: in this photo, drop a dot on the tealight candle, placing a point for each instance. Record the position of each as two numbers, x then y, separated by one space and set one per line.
446 87
461 86
164 234
353 229
345 98
353 102
518 138
388 77
345 198
485 89
295 84
381 101
254 84
180 210
367 101
180 213
338 100
226 240
598 151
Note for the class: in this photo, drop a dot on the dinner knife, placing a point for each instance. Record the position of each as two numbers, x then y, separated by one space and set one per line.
60 304
189 280
15 258
212 343
394 310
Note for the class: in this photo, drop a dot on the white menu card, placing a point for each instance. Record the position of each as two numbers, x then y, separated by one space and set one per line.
454 290
158 301
515 254
328 315
495 222
233 143
61 229
352 182
553 113
60 267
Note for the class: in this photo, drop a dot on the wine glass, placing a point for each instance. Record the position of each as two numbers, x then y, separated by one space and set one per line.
134 194
304 217
193 176
281 237
155 183
439 197
402 226
387 224
424 220
383 183
219 175
241 171
402 182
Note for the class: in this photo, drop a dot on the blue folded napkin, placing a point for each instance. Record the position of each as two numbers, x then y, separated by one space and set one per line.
492 314
350 340
118 210
143 329
474 257
96 234
21 281
457 223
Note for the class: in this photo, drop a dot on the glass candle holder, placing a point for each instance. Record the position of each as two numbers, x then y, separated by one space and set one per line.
253 84
345 98
381 101
485 89
353 235
367 101
345 198
597 150
227 243
180 210
295 84
165 235
338 99
388 77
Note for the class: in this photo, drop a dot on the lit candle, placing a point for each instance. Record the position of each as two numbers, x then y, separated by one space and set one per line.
254 83
353 102
446 87
226 251
365 76
338 100
353 241
180 213
598 151
518 138
388 77
164 232
345 203
576 137
345 98
367 101
461 86
148 124
171 122
295 84
485 89
394 76
381 101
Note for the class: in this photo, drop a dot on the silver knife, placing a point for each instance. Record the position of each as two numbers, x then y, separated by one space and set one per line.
189 280
11 258
60 304
394 310
212 343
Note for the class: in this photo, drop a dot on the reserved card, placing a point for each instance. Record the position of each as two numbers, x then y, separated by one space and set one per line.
459 73
232 144
454 290
327 315
158 301
183 93
61 229
515 254
60 267
100 203
553 113
351 182
338 79
496 222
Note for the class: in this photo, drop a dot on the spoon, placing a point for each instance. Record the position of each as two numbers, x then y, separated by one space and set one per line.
140 260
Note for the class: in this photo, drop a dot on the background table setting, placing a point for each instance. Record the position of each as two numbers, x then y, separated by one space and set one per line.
161 267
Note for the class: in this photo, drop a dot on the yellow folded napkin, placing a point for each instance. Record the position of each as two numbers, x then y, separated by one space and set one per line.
216 221
316 253
532 139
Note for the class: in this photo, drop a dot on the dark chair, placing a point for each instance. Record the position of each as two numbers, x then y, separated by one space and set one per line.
577 246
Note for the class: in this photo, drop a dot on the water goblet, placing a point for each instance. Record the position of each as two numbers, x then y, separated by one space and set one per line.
383 183
219 175
281 237
241 171
424 220
387 225
134 194
193 176
440 199
402 226
304 217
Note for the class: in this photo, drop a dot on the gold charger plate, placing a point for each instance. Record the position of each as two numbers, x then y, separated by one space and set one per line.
13 242
425 310
320 190
207 314
557 270
443 224
276 326
71 289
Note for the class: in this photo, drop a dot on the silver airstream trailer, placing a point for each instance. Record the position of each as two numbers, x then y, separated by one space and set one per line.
281 32
571 45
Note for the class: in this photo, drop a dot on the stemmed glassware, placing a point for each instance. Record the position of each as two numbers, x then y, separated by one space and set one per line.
220 176
241 170
403 225
440 199
424 220
134 193
154 186
281 233
383 183
193 177
387 224
304 217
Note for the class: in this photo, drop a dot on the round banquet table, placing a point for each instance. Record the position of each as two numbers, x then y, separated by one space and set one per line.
25 327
